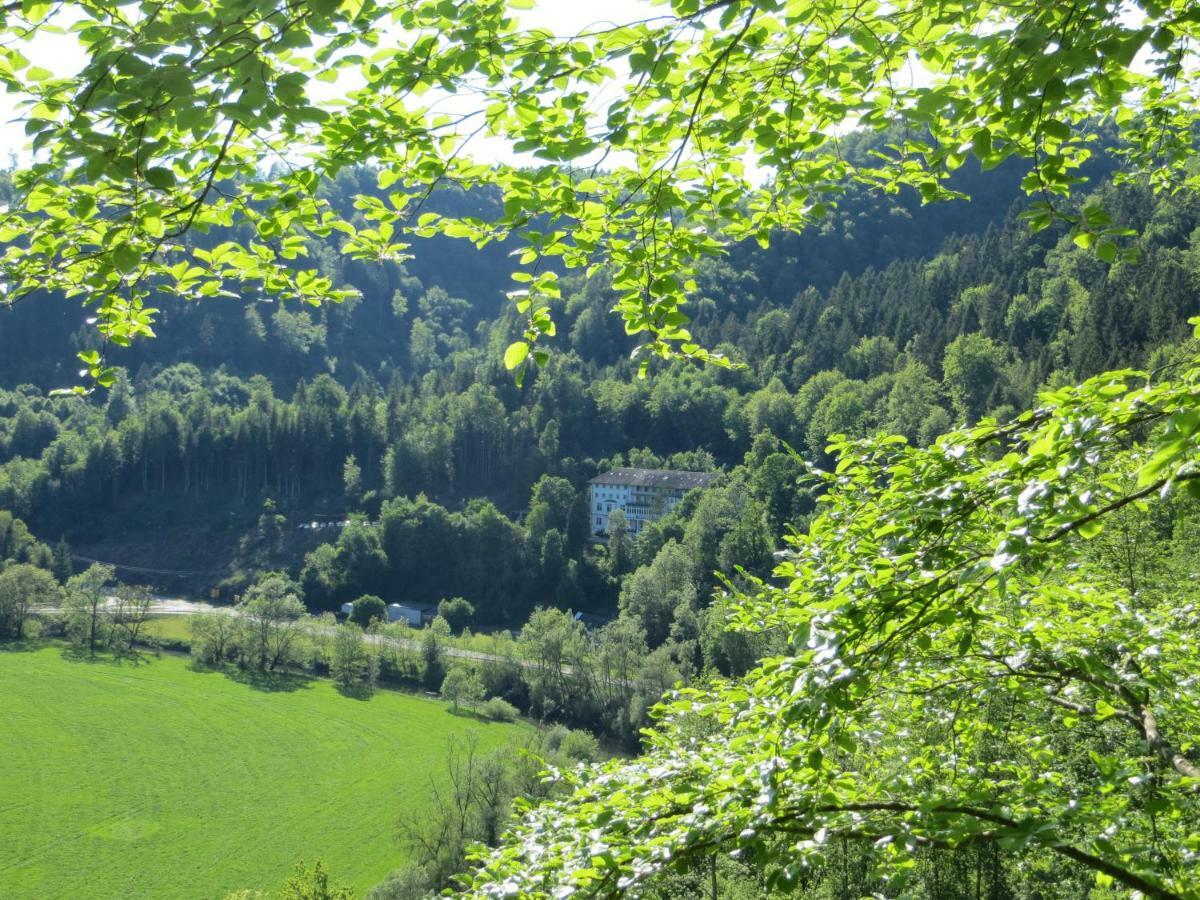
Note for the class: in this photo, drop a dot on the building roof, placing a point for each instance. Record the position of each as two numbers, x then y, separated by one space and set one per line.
664 478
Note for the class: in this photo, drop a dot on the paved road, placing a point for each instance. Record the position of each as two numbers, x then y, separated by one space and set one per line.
174 606
162 606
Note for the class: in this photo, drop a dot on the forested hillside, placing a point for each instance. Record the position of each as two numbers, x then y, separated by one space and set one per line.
365 292
396 408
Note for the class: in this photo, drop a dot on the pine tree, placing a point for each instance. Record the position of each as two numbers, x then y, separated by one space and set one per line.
61 566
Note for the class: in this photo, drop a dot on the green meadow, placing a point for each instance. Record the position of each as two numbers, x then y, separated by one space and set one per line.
149 779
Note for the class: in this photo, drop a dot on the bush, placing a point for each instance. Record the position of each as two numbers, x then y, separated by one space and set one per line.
170 644
503 678
410 883
367 609
457 612
554 737
500 710
313 884
580 746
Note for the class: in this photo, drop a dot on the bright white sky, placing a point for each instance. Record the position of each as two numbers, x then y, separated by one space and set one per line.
61 55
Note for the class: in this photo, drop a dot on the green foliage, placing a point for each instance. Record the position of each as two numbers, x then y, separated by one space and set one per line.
267 617
457 612
580 746
944 638
972 368
500 710
353 664
215 637
23 588
552 640
653 594
313 884
196 444
136 157
958 673
618 544
368 609
463 686
62 566
473 797
433 656
18 545
85 602
129 608
408 883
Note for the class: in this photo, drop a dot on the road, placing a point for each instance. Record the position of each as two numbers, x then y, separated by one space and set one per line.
161 606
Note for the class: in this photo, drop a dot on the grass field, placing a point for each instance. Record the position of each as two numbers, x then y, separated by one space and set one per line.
152 780
178 628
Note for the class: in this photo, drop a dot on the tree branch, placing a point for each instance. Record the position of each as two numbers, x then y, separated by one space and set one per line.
1125 877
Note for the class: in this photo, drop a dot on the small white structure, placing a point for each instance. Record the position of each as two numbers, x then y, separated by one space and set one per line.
413 615
645 495
347 608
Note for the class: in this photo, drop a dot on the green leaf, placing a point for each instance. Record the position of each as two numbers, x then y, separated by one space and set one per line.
126 257
515 354
161 177
1105 710
981 143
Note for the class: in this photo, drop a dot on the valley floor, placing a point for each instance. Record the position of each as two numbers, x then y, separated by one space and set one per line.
150 779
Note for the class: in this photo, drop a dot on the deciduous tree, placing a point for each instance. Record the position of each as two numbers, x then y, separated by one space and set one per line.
85 604
463 686
353 665
269 615
22 589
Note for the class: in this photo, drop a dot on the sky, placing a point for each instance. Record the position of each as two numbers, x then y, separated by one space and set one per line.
62 55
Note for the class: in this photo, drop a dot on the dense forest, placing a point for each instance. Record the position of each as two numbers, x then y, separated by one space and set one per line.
379 448
393 412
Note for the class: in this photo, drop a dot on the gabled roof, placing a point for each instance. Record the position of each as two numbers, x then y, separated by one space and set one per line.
664 478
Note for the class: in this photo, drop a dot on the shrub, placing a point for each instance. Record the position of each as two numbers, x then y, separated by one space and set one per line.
500 710
409 883
555 736
580 746
367 609
457 612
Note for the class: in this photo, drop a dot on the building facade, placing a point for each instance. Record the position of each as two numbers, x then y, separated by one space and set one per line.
415 616
644 495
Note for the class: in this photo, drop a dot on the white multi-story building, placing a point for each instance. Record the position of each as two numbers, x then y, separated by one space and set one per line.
645 495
